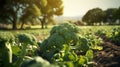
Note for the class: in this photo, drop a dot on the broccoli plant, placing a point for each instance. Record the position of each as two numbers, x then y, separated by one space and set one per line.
59 36
5 49
94 41
25 40
6 37
37 62
60 46
102 33
115 35
6 41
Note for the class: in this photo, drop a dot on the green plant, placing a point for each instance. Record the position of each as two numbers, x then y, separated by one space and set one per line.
5 48
115 35
94 41
101 32
6 55
6 37
59 35
83 44
25 39
60 47
37 62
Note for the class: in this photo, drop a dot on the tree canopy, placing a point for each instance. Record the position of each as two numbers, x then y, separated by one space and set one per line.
93 16
53 7
97 15
118 14
16 11
111 15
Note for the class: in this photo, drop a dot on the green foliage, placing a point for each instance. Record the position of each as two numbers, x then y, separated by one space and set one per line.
44 3
53 7
37 62
65 27
26 38
30 13
59 11
60 35
101 32
10 46
94 41
15 11
69 64
6 37
83 44
89 41
94 15
97 15
118 13
66 33
70 56
6 57
115 35
89 55
82 61
55 3
5 48
60 48
111 15
15 50
62 44
10 11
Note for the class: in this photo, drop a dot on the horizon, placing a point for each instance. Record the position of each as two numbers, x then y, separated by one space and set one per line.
74 8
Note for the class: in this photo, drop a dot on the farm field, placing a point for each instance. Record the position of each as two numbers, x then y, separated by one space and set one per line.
59 33
107 54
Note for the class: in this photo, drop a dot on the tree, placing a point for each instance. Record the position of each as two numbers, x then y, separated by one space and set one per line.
9 12
111 15
14 11
94 15
49 9
30 13
118 14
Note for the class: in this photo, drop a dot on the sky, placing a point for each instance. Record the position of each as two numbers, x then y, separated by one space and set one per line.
80 7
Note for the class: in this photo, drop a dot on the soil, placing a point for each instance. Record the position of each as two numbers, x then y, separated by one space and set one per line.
109 56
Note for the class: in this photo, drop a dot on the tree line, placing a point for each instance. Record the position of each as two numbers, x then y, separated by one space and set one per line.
23 11
97 15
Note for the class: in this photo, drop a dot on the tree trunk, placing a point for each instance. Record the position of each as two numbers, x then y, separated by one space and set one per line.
15 20
22 25
46 25
46 21
43 22
42 25
14 25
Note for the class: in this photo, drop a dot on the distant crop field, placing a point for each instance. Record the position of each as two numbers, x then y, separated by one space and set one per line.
37 31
